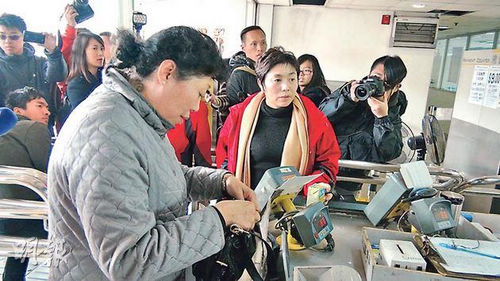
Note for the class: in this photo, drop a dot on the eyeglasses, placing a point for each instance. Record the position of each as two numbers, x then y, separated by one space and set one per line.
306 72
13 37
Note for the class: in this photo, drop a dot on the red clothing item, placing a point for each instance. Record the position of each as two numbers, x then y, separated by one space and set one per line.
324 151
67 38
193 138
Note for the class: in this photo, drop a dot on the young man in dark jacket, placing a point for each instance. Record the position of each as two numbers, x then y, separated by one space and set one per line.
243 81
368 130
20 67
26 145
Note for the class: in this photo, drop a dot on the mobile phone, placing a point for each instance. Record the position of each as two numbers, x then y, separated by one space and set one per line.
34 37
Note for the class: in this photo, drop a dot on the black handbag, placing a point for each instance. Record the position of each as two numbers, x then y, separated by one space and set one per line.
236 256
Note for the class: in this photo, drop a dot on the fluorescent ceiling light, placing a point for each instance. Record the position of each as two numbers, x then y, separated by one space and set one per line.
418 5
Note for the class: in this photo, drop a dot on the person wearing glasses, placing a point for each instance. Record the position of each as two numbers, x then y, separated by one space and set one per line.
19 67
368 130
277 127
118 195
312 82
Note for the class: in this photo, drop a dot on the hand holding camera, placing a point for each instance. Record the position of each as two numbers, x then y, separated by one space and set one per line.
369 86
45 39
372 90
380 106
50 43
70 14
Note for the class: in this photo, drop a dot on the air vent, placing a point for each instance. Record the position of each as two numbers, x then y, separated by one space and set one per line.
450 12
309 2
414 32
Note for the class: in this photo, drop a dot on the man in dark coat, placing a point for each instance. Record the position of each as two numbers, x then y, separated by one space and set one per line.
243 81
368 130
20 67
26 145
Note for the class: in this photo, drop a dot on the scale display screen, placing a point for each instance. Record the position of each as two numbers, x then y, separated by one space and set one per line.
440 213
320 222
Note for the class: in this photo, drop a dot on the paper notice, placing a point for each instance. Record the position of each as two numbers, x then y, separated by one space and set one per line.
479 84
492 93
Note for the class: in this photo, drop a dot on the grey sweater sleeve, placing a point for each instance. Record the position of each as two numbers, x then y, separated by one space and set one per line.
125 237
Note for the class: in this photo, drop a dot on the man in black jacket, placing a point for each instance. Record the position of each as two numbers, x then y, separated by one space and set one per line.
19 67
26 145
243 81
368 130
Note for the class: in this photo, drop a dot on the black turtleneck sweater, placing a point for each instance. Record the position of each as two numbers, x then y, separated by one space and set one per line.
268 140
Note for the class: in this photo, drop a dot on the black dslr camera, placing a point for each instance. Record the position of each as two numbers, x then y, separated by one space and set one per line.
34 37
370 86
83 9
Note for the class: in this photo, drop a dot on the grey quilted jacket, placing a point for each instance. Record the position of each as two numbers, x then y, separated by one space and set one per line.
118 195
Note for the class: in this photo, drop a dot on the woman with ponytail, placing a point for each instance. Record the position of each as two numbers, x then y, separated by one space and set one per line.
118 195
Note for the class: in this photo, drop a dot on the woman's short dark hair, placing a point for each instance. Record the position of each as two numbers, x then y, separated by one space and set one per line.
394 68
21 97
13 21
273 57
194 53
79 56
318 79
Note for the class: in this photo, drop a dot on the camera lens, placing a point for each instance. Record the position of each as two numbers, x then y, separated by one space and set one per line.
361 92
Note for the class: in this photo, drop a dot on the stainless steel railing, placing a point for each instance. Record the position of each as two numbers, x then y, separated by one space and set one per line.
448 179
36 181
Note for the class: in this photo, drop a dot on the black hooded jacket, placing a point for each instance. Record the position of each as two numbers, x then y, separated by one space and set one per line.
242 82
18 71
361 135
316 94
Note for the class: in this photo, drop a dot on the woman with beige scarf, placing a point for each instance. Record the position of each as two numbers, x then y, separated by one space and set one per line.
277 127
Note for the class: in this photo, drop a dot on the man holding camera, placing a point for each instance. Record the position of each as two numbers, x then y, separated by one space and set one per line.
366 117
19 67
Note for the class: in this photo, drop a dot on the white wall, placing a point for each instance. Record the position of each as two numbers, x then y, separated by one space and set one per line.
43 16
229 14
346 43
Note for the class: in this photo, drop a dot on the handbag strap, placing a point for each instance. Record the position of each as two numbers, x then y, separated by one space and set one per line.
250 266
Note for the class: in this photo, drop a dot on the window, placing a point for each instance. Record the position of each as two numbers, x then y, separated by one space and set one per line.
482 41
456 47
437 67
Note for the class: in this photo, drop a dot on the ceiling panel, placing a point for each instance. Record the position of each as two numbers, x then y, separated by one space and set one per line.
331 3
478 2
275 2
376 2
486 15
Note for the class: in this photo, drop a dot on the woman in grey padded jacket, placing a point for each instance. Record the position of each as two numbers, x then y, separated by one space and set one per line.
117 193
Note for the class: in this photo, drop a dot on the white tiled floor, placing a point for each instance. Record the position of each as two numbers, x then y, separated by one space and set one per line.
36 272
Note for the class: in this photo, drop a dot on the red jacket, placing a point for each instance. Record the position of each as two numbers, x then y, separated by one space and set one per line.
324 152
193 138
67 38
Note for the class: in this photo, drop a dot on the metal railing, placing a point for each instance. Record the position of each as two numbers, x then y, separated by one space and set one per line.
448 179
36 181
